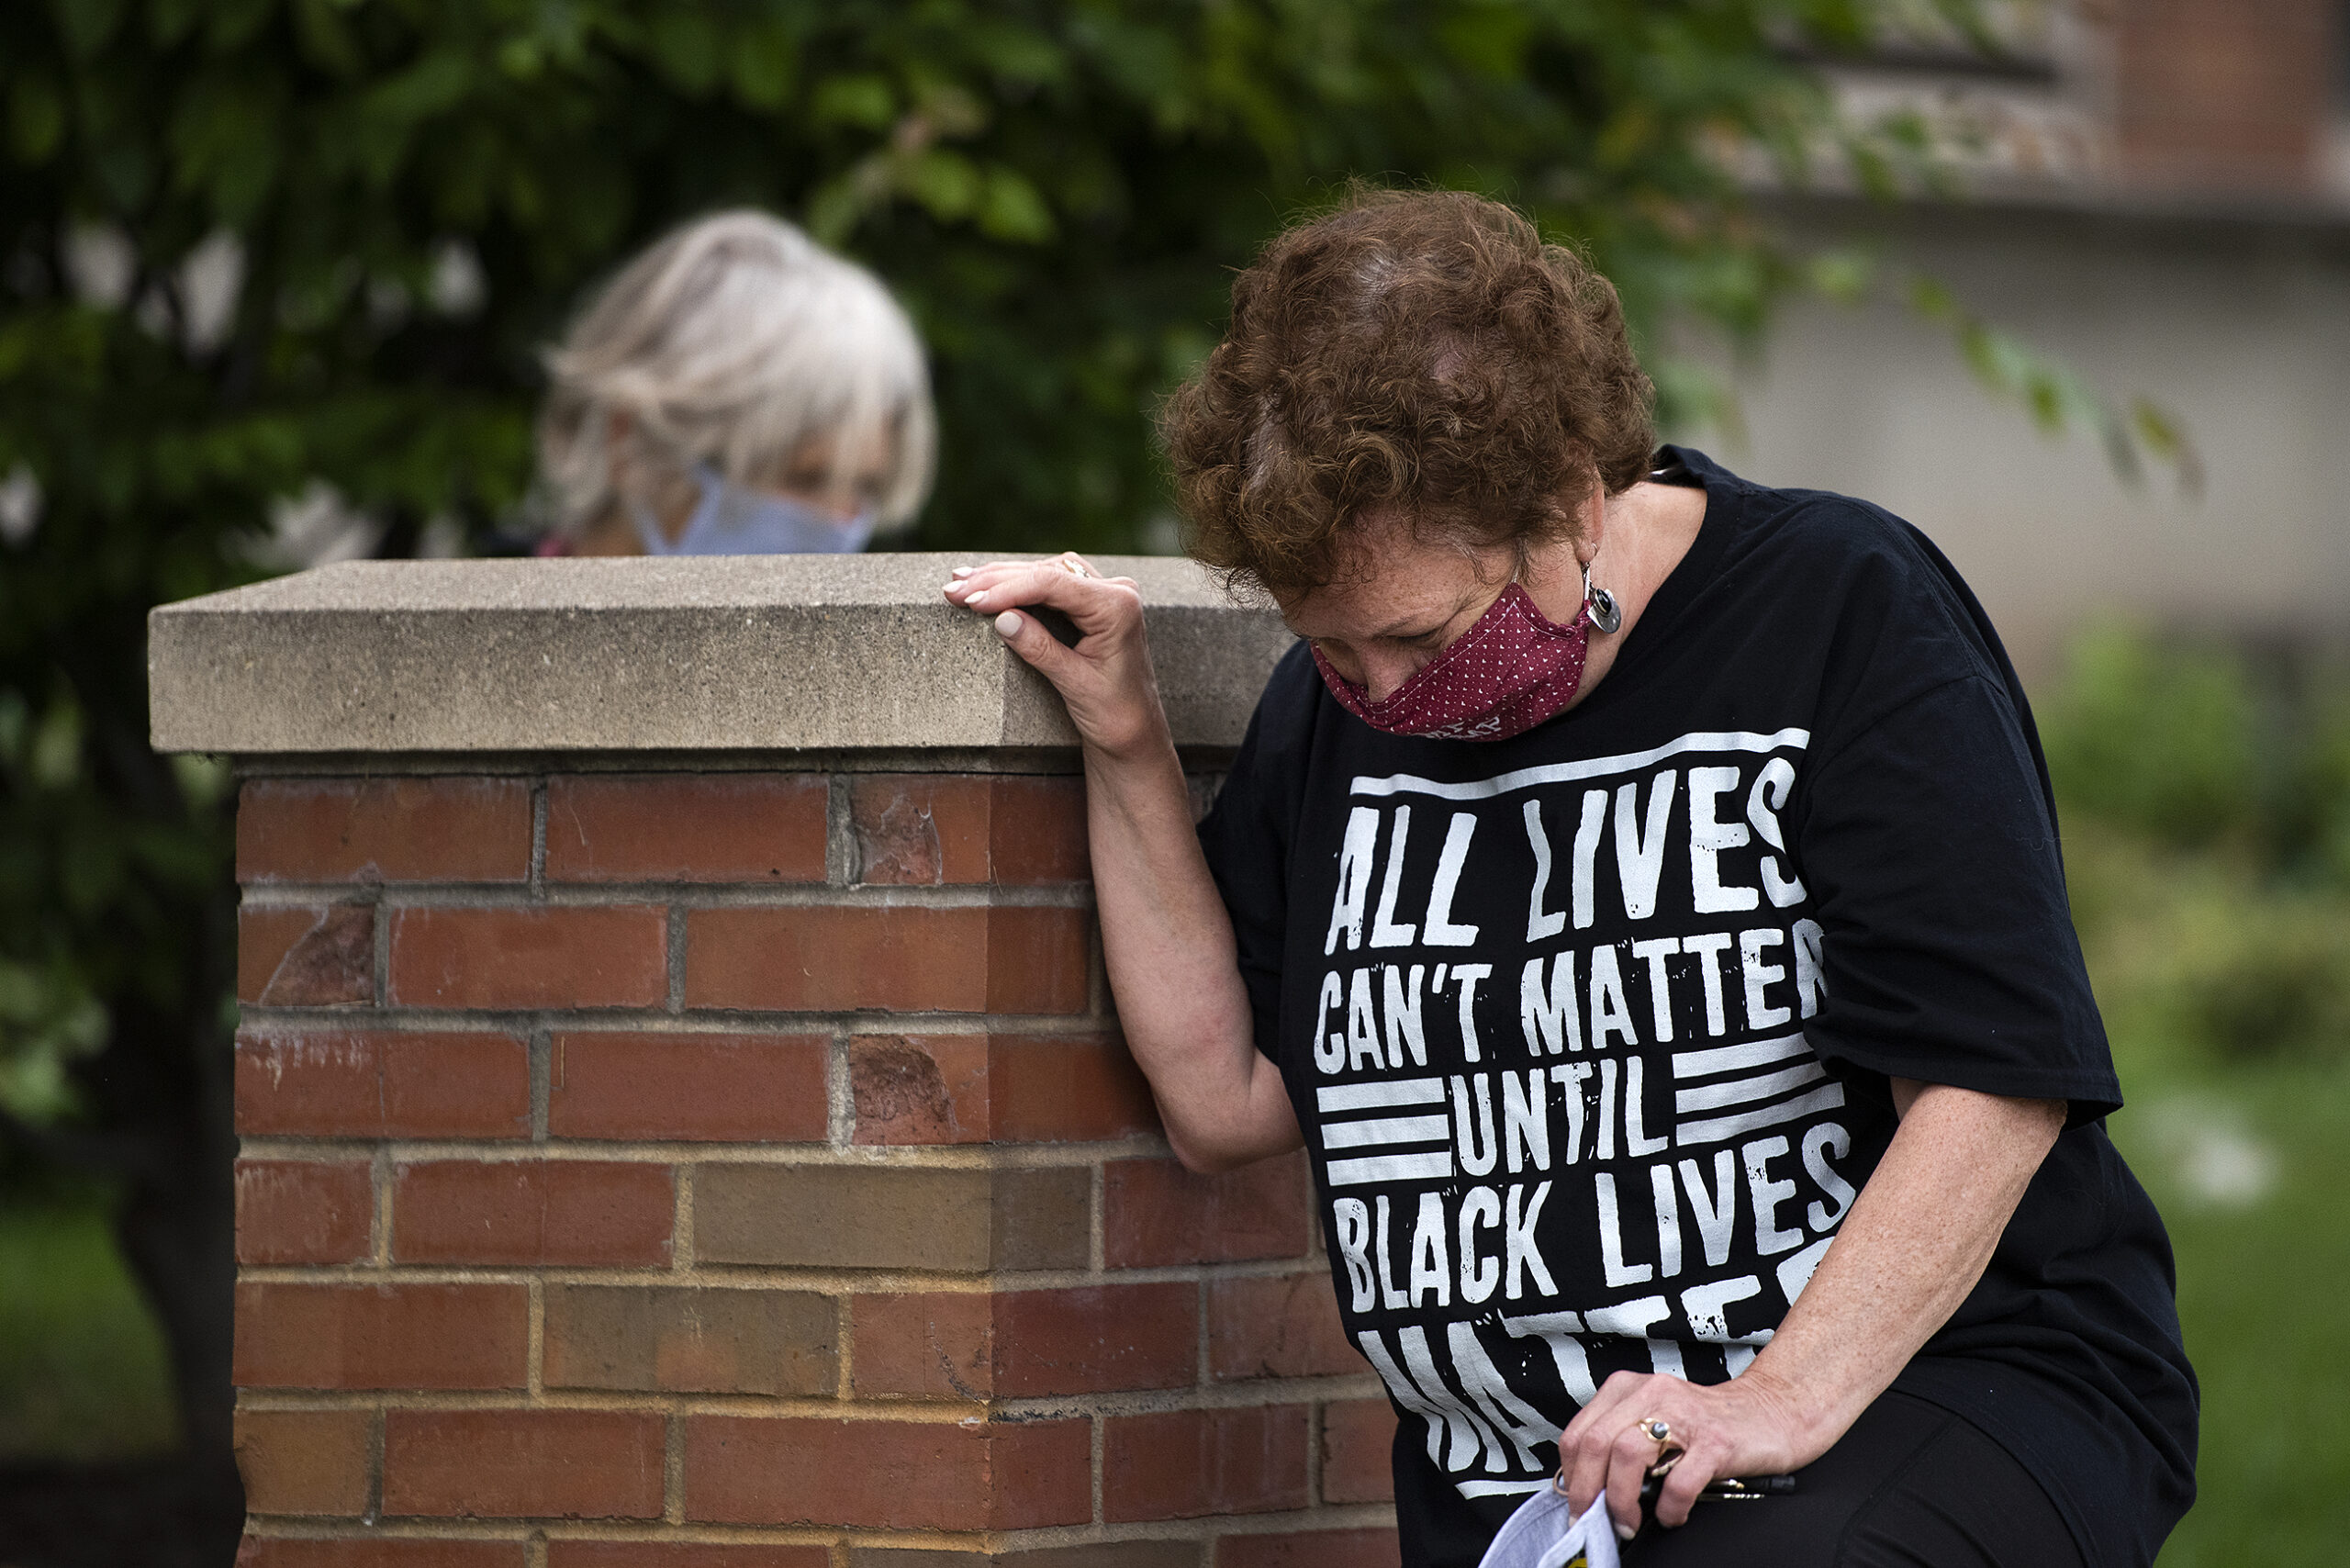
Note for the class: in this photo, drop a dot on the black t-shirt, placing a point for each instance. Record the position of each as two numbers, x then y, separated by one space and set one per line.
1589 1030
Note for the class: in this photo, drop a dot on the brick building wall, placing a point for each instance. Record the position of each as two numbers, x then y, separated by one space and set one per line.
698 1164
2233 97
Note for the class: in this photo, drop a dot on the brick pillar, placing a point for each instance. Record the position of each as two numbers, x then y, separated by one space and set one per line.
719 1150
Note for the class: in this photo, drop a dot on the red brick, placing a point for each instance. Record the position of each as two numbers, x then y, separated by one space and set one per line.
1096 1338
935 1345
866 1215
944 828
565 957
905 958
1145 1553
1054 1089
889 1474
305 954
1044 1474
828 958
1277 1326
1042 1217
278 1551
339 830
680 1554
763 1088
382 1085
691 1339
306 1461
928 1088
531 1212
1039 960
303 1211
595 1464
1357 1451
383 1336
1311 1549
1155 1212
919 829
722 827
1184 1464
1037 830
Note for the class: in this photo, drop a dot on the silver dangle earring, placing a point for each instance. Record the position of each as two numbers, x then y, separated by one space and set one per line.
1605 612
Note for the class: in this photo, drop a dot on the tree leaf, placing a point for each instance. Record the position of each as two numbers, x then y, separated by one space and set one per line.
861 99
36 119
1011 209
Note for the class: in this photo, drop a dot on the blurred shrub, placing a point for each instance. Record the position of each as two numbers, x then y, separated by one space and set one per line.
2207 828
2182 740
2271 977
2314 808
2200 956
2155 736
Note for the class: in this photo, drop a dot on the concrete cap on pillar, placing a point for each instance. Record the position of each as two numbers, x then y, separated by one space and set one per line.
712 654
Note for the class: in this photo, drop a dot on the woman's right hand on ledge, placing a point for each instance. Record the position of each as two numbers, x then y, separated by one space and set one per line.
1107 678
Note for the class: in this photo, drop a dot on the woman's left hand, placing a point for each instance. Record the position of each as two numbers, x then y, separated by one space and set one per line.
1912 1244
1749 1425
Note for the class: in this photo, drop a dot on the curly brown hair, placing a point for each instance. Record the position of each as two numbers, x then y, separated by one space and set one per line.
1422 352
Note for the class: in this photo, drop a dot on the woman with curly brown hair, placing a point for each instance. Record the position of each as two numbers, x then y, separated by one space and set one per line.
1639 892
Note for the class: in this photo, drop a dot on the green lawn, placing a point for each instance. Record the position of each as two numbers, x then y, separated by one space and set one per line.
2250 1167
83 1371
2221 991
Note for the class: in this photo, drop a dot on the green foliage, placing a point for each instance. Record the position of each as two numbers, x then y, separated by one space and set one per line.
2203 956
83 1373
100 857
2157 736
2056 396
1056 188
246 245
47 1021
2204 826
2275 981
2184 740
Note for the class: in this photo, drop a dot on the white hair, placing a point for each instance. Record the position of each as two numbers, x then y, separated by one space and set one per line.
736 341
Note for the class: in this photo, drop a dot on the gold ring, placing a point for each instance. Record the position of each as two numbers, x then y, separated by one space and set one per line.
1074 568
1668 1452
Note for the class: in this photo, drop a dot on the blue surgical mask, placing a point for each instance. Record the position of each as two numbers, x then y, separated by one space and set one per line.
732 520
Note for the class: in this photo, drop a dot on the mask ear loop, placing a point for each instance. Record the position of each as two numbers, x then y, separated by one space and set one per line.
1600 605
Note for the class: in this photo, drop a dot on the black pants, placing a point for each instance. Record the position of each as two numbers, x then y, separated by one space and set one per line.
1910 1485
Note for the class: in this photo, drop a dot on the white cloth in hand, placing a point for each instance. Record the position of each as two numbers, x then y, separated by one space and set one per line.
1544 1533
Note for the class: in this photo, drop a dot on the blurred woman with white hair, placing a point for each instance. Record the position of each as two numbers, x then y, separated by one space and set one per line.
736 390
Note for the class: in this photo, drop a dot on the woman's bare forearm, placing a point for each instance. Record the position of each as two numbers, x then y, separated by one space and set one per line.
1917 1237
1164 932
1173 967
1916 1240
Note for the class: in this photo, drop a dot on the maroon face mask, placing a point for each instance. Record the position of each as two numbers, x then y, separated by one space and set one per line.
1506 674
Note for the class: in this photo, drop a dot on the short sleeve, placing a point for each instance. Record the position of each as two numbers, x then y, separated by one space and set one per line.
1929 847
1245 837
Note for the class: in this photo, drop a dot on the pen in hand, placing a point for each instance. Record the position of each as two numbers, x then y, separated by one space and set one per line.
1726 1489
1743 1488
